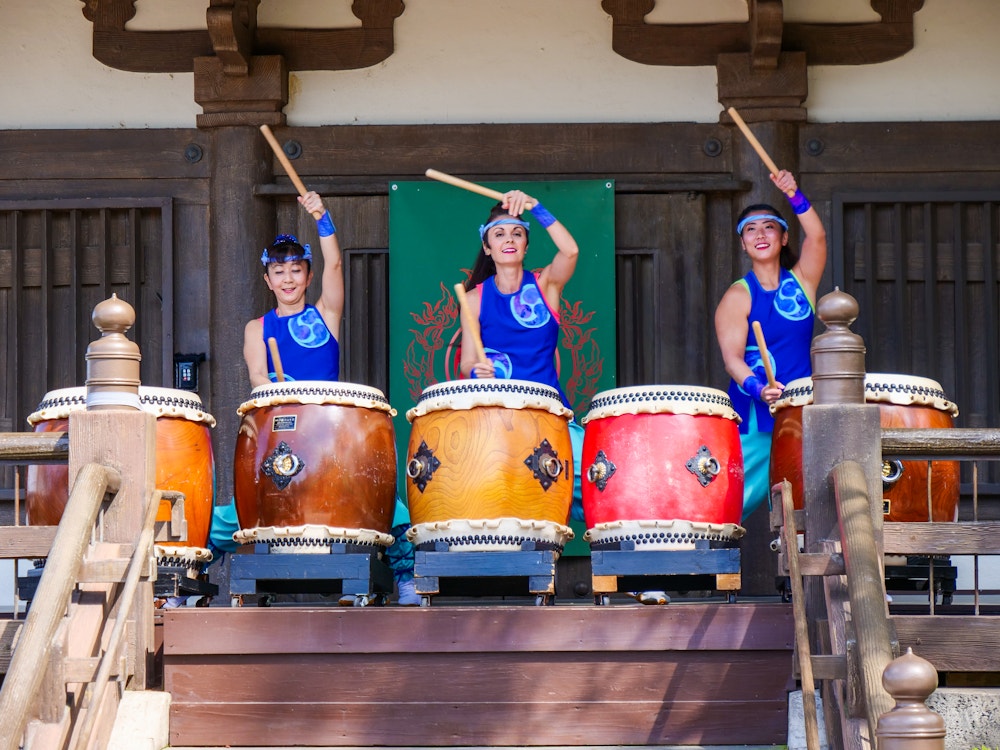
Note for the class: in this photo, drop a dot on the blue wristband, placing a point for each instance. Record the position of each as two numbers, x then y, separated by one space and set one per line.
753 387
324 224
542 214
800 204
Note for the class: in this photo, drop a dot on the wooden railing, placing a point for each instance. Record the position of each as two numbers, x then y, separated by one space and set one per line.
52 695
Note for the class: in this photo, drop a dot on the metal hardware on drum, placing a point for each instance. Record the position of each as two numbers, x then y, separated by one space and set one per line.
601 471
705 466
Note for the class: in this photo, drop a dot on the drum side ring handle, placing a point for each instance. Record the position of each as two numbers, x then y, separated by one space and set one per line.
282 465
704 466
544 464
421 467
601 470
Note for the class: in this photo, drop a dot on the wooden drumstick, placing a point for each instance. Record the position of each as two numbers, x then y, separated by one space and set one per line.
472 187
752 140
289 169
272 344
470 323
758 333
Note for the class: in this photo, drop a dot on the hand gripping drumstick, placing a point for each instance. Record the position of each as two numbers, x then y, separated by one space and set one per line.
272 344
752 140
758 333
289 169
470 186
470 323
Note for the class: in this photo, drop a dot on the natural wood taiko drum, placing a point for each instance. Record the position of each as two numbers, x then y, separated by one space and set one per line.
662 467
184 463
903 401
489 465
315 464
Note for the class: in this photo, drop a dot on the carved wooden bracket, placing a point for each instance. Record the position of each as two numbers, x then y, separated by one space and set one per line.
762 58
233 35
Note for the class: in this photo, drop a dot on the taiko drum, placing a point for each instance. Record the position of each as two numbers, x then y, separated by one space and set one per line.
489 465
315 463
184 458
662 465
903 401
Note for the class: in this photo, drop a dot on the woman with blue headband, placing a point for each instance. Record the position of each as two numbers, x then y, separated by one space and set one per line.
779 291
306 334
518 310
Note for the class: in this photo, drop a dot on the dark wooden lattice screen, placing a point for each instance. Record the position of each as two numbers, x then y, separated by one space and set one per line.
58 259
924 269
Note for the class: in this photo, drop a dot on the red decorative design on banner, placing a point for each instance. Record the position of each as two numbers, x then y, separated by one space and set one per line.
428 338
585 354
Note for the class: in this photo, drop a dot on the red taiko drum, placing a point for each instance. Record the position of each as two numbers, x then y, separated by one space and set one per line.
662 467
903 401
489 465
315 464
184 463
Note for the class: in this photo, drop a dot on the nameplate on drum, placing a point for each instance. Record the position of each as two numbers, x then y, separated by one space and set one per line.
284 423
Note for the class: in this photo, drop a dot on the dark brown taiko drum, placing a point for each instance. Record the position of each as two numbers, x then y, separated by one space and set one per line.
315 464
903 401
489 465
184 462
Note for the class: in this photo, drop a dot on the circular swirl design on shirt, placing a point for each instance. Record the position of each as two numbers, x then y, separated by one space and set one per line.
502 366
791 302
756 363
308 329
528 307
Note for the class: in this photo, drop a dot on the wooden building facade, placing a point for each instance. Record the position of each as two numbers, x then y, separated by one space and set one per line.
172 219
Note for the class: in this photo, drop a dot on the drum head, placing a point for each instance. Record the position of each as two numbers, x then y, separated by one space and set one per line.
160 402
661 399
880 387
472 393
316 392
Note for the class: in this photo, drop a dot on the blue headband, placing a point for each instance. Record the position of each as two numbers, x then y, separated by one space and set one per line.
484 228
285 239
760 217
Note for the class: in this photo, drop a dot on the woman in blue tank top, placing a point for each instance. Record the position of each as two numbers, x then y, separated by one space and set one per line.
306 335
780 293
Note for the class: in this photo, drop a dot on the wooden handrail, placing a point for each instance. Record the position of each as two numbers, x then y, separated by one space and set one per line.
24 678
940 443
865 586
34 447
140 557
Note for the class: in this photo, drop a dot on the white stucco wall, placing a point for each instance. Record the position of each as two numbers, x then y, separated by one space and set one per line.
470 61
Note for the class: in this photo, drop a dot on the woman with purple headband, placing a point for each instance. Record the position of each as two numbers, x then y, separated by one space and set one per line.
779 292
306 335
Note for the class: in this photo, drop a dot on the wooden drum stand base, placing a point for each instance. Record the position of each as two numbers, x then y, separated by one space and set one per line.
349 570
621 567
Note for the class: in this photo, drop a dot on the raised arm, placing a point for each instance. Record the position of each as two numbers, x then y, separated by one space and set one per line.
812 258
331 299
559 271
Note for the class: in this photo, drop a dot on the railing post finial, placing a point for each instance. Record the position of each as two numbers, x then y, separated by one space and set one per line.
838 355
911 725
113 360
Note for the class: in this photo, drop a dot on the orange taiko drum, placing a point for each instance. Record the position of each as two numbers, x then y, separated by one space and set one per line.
315 465
903 401
662 467
184 463
489 465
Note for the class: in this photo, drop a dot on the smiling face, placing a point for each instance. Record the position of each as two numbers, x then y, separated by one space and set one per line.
288 281
506 243
763 238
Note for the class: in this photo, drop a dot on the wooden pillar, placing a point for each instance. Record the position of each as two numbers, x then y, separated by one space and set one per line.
759 565
241 226
838 426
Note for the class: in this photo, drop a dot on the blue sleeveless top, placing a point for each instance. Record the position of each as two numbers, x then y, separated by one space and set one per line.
520 332
786 317
307 349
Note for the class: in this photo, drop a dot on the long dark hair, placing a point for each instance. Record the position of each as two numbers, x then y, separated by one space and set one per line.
788 257
484 267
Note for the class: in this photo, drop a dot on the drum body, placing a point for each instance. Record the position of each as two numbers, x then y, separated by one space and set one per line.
184 460
903 401
315 463
662 466
489 464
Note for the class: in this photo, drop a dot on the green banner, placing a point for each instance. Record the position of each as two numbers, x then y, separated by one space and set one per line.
433 244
